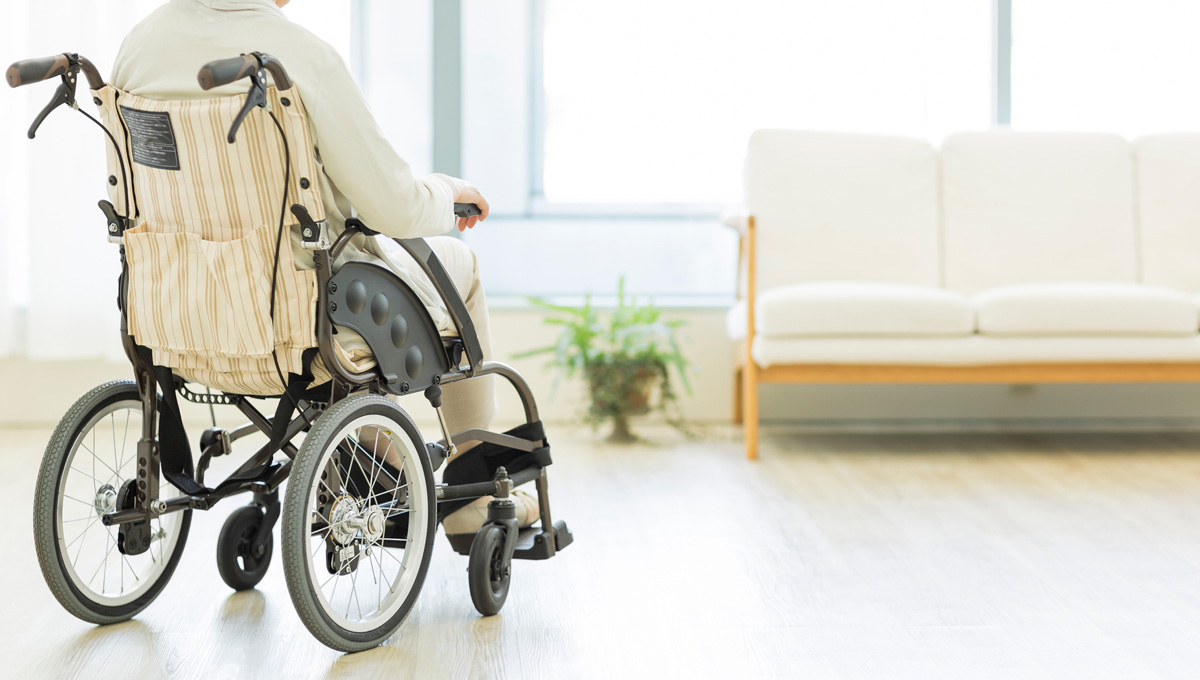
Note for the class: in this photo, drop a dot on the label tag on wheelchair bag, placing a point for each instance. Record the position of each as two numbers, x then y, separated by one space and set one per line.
152 138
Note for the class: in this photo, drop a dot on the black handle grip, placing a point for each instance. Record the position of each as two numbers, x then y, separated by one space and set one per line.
466 210
225 71
29 71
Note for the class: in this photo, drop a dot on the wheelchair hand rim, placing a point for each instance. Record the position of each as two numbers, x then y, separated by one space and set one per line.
102 472
389 594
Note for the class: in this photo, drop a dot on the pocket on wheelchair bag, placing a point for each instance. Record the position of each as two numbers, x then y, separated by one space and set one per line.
188 295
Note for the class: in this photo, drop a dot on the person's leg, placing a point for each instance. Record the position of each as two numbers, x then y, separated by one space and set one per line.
472 403
469 403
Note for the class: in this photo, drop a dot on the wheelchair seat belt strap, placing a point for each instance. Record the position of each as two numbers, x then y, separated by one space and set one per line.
175 450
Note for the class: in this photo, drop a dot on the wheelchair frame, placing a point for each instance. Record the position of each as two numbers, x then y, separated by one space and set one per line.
409 351
542 544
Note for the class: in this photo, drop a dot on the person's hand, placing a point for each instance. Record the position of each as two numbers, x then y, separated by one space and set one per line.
469 194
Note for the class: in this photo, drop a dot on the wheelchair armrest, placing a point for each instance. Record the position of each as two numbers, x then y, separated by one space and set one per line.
432 266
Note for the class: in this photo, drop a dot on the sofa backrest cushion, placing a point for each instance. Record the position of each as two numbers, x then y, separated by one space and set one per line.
1168 185
1022 207
830 206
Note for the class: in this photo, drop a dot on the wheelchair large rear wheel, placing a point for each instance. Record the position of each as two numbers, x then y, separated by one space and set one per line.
88 470
363 463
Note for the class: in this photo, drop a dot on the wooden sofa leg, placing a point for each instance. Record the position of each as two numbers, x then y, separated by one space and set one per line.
750 408
737 395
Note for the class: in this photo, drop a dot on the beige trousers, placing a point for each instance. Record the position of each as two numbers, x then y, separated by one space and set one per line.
469 403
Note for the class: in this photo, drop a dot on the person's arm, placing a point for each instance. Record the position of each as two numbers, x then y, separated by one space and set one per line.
358 158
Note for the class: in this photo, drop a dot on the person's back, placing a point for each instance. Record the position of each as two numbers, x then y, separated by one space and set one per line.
161 56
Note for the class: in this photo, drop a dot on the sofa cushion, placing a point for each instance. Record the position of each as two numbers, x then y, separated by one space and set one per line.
831 206
976 350
856 308
1168 174
1085 309
1022 207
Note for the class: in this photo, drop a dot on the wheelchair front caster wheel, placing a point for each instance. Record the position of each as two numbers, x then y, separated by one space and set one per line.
487 570
241 561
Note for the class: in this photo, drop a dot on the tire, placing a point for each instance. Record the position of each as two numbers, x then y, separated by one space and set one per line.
487 572
348 550
52 527
240 567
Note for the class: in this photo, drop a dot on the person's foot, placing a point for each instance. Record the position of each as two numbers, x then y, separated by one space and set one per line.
468 519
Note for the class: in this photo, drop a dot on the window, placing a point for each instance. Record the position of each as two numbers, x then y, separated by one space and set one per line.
608 136
1125 67
652 101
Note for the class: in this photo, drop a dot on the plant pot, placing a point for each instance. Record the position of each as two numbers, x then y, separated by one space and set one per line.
622 388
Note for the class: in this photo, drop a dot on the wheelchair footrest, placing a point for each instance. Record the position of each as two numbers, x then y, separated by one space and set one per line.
537 546
532 542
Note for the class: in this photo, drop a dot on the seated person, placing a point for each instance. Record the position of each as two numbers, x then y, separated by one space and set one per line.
364 176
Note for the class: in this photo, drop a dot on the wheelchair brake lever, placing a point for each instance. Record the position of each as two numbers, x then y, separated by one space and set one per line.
65 94
256 97
116 224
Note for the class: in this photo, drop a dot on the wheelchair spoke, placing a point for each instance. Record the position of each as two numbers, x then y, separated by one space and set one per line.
98 458
354 592
102 564
82 534
124 438
112 420
79 550
97 481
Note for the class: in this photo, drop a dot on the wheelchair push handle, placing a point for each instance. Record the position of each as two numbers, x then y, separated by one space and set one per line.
29 71
226 71
466 210
36 70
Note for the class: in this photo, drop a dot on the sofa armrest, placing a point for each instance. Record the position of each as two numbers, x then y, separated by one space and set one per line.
736 219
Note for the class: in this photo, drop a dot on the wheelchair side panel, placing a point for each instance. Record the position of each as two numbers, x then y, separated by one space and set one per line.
390 317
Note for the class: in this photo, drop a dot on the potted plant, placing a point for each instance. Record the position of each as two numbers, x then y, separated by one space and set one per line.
625 357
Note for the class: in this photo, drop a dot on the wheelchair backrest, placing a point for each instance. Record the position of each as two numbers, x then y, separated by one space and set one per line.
206 220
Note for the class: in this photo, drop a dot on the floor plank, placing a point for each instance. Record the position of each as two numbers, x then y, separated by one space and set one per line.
985 555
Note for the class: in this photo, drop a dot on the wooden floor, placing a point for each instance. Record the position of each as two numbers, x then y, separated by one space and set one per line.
840 556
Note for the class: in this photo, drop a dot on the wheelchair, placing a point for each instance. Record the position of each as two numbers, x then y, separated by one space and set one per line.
118 482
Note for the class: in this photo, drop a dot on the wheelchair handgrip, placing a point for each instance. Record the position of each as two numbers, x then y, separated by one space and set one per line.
225 71
466 210
29 71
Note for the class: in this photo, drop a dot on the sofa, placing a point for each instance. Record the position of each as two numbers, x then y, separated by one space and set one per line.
1002 257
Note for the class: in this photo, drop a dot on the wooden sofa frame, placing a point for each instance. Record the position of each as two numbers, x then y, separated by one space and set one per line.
748 375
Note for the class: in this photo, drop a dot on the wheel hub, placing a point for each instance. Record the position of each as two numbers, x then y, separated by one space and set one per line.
106 499
350 516
374 523
343 528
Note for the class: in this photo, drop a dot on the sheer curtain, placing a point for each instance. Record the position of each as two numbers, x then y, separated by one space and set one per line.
58 274
58 295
